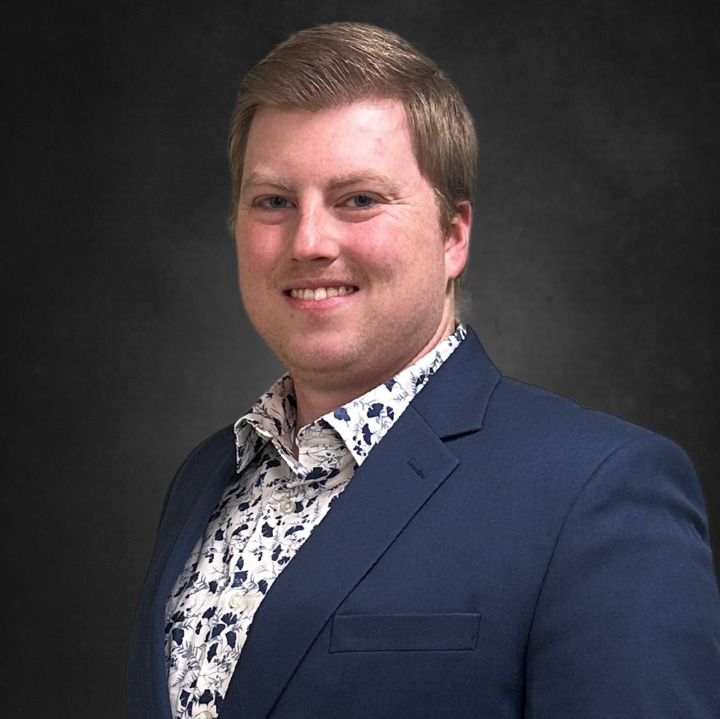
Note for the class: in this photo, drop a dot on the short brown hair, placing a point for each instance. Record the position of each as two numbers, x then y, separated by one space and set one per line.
334 65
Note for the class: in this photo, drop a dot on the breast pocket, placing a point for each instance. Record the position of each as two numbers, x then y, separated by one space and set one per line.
404 632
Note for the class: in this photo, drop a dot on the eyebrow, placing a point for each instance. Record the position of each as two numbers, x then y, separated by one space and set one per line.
338 181
255 178
355 178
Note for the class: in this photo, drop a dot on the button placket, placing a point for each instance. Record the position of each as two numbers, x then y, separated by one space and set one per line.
237 545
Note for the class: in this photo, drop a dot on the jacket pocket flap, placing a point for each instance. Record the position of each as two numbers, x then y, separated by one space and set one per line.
404 632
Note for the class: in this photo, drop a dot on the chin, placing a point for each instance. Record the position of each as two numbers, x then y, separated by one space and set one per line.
318 360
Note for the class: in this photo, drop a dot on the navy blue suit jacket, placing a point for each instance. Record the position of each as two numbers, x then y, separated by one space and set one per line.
503 552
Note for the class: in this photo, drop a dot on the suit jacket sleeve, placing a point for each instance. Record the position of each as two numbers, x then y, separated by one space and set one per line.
626 623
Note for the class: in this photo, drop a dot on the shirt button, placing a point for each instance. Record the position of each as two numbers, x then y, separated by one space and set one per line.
236 601
287 506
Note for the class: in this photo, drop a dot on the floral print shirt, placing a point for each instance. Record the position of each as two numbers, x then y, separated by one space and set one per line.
267 511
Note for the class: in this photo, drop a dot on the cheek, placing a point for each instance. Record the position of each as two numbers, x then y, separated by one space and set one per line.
385 247
377 256
257 255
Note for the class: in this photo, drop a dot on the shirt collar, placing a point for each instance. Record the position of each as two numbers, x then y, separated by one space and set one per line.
363 422
360 424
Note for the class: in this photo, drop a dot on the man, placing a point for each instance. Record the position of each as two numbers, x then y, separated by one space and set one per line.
394 529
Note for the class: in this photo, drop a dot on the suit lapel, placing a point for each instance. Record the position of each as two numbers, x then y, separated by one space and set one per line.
398 477
192 499
455 399
364 520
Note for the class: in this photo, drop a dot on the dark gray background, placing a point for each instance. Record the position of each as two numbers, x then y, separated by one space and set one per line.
594 267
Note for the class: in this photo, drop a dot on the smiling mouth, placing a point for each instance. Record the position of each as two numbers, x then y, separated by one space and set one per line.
321 293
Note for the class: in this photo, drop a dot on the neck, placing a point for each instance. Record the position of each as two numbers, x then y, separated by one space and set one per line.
314 403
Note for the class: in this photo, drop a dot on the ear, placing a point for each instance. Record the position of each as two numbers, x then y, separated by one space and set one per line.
457 242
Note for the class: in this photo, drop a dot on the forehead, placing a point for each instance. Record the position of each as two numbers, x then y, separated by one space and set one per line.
370 133
331 113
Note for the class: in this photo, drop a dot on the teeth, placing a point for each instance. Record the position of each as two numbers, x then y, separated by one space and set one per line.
321 293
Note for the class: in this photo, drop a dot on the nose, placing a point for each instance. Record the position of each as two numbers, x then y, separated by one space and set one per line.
314 236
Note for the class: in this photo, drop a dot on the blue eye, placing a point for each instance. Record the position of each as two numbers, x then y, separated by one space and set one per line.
276 203
363 200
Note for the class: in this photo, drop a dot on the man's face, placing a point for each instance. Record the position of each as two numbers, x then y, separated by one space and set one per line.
344 269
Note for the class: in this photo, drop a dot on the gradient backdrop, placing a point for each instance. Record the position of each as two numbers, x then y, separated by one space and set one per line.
594 267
